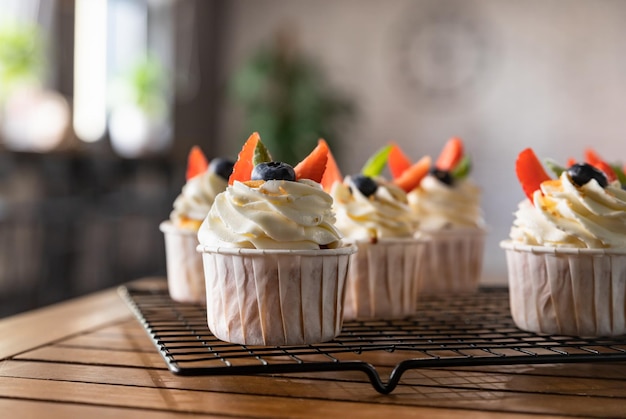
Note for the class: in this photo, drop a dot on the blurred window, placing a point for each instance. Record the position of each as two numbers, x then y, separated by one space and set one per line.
121 79
33 115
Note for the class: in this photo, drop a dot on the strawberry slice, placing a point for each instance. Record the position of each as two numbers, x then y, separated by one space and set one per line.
451 155
242 170
313 166
398 161
196 162
570 162
596 161
332 173
411 177
530 172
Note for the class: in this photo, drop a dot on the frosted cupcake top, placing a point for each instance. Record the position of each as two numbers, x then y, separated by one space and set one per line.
583 208
196 198
440 193
272 205
369 209
272 214
565 214
438 205
204 182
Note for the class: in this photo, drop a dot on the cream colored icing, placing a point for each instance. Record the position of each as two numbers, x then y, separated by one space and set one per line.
196 198
566 215
439 206
273 214
384 214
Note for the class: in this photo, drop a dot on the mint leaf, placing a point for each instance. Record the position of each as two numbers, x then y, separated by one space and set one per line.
374 165
261 154
621 176
462 169
556 168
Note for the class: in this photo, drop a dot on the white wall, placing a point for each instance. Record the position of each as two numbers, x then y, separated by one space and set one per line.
503 75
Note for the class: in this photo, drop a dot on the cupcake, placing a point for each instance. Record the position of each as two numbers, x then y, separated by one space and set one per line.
185 277
374 214
446 205
566 253
274 263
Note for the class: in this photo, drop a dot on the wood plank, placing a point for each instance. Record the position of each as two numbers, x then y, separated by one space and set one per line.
95 357
600 371
29 409
103 341
479 392
130 335
609 370
115 338
218 403
465 379
31 329
130 327
552 385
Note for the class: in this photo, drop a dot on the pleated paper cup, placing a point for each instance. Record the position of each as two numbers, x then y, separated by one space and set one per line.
275 297
382 281
566 291
452 262
185 274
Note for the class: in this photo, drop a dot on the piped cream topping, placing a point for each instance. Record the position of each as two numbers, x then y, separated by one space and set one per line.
439 206
384 214
273 214
196 198
566 215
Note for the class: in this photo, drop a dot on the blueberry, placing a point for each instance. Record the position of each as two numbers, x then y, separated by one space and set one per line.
442 175
273 170
366 185
222 167
581 173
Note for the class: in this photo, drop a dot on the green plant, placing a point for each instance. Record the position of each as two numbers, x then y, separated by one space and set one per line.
21 55
145 86
285 99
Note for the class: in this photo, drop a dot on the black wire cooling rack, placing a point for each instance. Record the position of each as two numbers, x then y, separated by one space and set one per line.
465 330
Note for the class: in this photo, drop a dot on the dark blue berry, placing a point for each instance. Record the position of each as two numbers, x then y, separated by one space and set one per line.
273 170
442 175
366 185
581 173
221 167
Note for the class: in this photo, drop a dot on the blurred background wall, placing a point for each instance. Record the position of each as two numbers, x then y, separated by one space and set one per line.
90 166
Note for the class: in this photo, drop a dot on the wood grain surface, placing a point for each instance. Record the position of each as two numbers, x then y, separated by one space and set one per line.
91 358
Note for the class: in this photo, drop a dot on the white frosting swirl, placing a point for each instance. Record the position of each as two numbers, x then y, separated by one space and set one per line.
384 214
439 206
567 215
274 214
195 200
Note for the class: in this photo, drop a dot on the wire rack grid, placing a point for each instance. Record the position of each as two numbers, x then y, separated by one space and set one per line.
461 330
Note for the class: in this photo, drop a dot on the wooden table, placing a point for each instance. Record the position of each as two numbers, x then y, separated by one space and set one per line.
90 357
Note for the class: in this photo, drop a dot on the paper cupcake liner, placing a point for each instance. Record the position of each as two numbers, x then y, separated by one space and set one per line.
565 291
185 274
275 297
382 280
452 261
